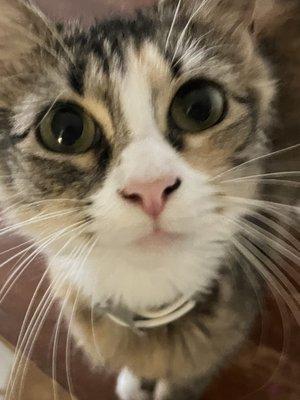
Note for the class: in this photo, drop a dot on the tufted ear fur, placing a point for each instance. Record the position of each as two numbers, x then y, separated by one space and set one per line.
22 28
270 14
258 15
232 12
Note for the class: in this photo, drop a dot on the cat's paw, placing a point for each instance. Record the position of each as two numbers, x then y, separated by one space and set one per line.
162 391
129 387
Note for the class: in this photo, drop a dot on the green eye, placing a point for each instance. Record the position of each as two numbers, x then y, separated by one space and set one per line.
67 129
198 105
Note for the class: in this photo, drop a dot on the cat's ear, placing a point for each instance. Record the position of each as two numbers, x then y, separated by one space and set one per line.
229 11
233 12
22 27
258 16
270 14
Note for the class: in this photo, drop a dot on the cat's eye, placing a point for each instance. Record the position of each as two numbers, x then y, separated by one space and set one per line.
197 106
67 128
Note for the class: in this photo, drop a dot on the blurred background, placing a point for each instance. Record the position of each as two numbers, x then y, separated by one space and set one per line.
268 367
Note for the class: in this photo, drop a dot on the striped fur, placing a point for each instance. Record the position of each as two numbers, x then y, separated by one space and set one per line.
124 73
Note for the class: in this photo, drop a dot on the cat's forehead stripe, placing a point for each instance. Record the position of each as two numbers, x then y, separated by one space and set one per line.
135 98
76 76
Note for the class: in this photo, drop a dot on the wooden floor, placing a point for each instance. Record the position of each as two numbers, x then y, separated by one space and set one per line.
269 365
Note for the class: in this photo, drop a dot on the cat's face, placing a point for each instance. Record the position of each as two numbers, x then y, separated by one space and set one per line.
127 129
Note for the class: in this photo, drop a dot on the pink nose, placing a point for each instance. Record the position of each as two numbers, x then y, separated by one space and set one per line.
151 196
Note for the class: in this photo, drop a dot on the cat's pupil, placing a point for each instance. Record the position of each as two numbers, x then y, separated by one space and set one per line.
67 126
201 110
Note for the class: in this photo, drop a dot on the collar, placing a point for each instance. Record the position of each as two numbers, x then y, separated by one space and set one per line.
150 319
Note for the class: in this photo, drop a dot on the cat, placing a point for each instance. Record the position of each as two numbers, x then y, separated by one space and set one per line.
122 148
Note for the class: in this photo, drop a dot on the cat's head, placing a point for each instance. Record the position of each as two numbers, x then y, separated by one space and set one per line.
115 142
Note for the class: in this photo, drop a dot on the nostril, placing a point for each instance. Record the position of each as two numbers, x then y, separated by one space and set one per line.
133 197
170 189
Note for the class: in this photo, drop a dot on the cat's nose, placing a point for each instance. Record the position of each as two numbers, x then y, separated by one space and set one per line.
151 196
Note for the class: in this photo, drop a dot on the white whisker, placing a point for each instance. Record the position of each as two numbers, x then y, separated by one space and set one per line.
37 219
56 36
15 248
268 276
17 273
38 311
50 108
64 303
258 203
277 228
264 181
172 25
267 175
285 327
190 20
36 40
263 157
273 268
68 347
272 240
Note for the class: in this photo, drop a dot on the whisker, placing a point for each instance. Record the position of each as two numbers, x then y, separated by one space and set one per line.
35 331
263 157
56 339
5 210
273 268
36 323
68 347
24 333
79 253
256 237
285 215
281 307
19 358
51 107
17 273
15 248
189 50
172 25
265 181
269 278
25 204
28 312
68 344
285 266
184 31
277 228
285 328
56 36
36 219
270 174
92 314
36 40
247 270
14 256
270 238
258 203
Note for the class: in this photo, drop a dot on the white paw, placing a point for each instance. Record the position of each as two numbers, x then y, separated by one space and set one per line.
129 387
162 391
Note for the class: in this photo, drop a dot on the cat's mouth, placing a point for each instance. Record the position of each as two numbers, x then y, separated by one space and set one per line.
160 237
